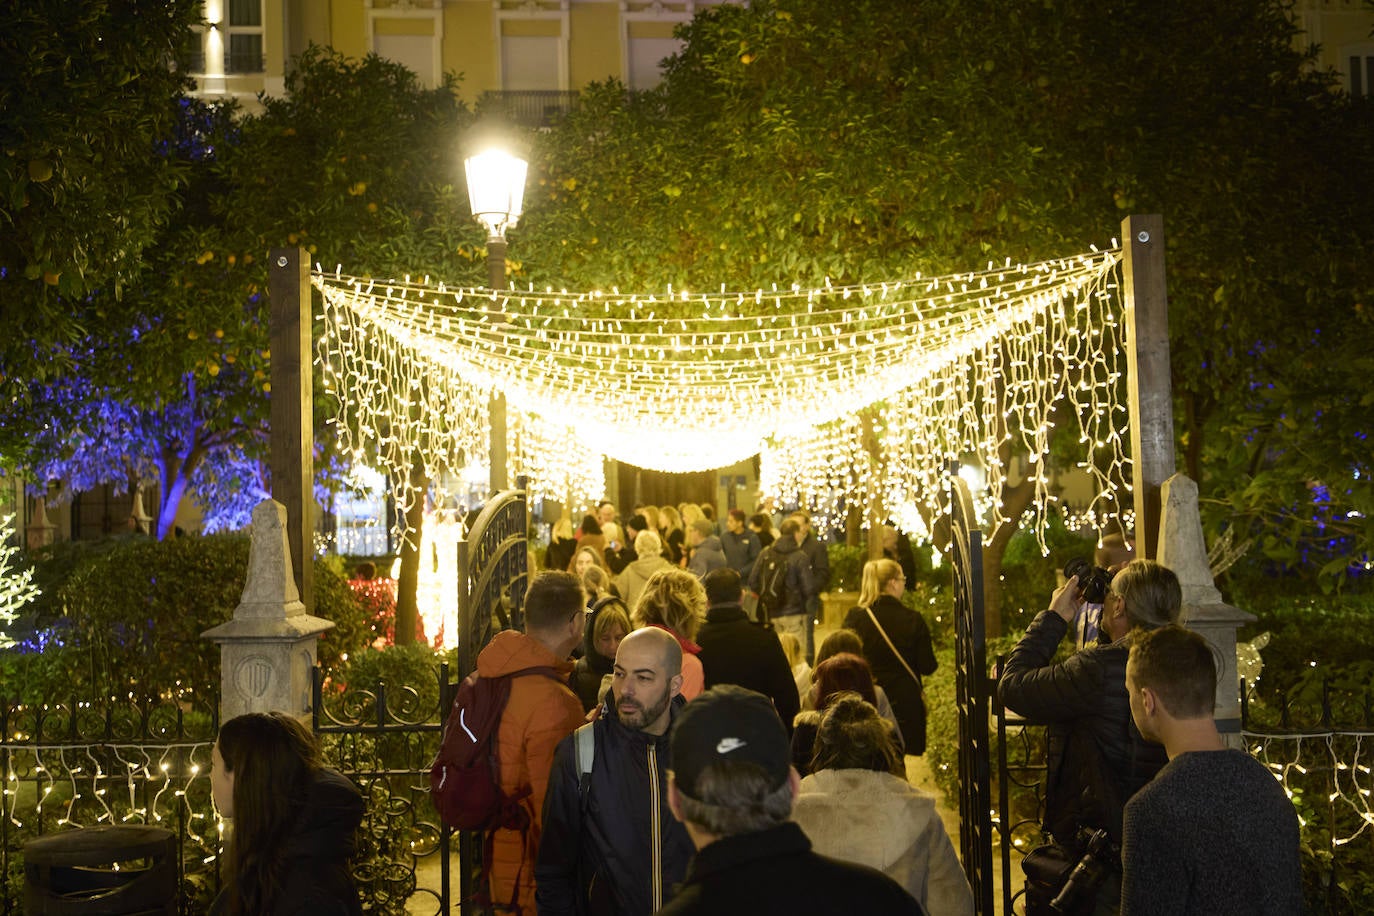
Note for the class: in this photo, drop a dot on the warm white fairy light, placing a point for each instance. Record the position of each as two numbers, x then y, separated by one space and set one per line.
1063 359
684 381
1341 753
86 779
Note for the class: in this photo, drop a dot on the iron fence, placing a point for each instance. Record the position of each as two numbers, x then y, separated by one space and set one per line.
1317 739
84 764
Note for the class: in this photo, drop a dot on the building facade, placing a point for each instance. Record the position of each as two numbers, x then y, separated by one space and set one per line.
530 56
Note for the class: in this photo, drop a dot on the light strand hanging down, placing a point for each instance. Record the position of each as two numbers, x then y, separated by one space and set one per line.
689 381
1056 367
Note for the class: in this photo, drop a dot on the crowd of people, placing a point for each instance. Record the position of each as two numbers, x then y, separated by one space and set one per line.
691 754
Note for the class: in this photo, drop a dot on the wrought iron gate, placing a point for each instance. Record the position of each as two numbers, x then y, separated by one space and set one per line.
971 695
493 573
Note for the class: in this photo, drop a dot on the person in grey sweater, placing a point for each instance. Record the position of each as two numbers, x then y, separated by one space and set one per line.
1214 833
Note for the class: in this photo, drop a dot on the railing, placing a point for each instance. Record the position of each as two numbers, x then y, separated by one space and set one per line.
82 764
1021 772
1318 743
1318 740
530 107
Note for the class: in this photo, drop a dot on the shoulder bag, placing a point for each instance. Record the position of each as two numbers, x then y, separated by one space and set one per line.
883 633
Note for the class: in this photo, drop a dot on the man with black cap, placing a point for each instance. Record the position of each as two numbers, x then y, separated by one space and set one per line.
732 784
735 650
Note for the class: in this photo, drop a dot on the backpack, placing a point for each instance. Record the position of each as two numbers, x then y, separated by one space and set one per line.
465 778
772 583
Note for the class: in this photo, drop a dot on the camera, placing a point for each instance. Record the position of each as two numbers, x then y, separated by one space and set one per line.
1093 581
1083 881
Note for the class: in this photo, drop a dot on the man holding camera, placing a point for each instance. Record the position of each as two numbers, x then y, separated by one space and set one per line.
1096 758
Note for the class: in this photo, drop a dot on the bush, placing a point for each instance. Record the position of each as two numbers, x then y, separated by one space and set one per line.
125 615
846 567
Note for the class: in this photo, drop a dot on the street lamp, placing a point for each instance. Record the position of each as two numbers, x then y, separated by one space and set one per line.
496 191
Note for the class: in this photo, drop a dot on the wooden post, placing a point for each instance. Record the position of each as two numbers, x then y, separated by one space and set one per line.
1147 349
292 434
496 279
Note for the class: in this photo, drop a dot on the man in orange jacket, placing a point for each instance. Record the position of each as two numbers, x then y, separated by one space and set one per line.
541 712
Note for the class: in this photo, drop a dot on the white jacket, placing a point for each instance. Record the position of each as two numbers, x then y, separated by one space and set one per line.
880 820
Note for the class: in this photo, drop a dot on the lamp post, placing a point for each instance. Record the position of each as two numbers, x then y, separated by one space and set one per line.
496 190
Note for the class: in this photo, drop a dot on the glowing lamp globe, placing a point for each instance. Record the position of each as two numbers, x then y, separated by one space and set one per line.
496 189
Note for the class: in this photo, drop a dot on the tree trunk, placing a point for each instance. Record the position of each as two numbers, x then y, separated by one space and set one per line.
1015 499
176 470
408 581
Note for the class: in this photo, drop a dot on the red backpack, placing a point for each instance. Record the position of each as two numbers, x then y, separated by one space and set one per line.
465 778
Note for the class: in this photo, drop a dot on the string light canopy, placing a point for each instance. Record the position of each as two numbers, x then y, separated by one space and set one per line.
681 380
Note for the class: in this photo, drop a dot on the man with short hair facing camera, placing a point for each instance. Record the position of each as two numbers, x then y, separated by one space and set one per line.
732 784
1214 833
1095 757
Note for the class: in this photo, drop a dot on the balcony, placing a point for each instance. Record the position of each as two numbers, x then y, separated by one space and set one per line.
529 107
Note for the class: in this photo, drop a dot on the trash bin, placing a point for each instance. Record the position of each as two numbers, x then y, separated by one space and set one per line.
102 871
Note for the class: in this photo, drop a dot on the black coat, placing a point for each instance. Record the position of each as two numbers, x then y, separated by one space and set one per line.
908 631
735 650
1096 758
799 587
776 871
315 875
596 855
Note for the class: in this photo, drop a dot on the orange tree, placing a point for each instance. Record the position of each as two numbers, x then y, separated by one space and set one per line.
356 163
795 140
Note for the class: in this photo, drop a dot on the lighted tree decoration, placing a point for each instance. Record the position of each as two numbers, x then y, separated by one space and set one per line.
16 586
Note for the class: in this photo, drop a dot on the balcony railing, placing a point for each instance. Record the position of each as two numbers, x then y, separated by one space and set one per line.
529 107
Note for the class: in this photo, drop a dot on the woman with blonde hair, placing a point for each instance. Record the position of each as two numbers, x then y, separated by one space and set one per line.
562 544
596 582
675 600
650 514
607 624
856 805
897 645
673 534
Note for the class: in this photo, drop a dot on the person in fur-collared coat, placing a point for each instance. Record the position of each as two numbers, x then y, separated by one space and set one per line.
856 806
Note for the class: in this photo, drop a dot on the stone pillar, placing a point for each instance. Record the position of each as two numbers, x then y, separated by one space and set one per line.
268 649
39 532
1182 549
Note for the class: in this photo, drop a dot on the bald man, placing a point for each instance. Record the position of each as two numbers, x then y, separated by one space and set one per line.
610 845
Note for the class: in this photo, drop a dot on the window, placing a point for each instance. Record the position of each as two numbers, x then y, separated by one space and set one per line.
1360 73
243 29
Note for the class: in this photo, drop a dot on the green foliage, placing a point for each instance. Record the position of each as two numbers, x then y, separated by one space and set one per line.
89 92
357 164
1311 641
785 146
125 616
355 626
1028 578
846 567
410 673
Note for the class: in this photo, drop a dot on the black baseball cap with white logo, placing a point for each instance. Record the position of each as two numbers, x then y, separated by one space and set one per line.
728 724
